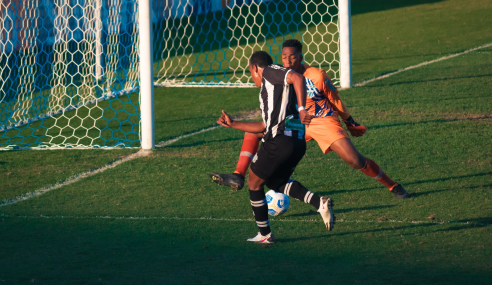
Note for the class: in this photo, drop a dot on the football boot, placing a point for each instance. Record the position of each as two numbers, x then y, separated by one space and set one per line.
400 192
233 180
263 239
326 212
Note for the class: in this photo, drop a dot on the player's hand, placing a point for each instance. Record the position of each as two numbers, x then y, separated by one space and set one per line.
354 128
225 120
305 117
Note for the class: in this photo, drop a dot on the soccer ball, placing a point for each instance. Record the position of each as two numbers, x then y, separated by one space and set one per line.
278 203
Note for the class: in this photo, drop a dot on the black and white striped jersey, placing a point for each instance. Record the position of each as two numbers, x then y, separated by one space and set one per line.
278 104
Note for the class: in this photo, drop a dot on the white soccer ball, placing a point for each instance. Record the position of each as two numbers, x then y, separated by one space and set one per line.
278 203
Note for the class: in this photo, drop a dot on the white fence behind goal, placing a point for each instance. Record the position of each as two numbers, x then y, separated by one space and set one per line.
70 69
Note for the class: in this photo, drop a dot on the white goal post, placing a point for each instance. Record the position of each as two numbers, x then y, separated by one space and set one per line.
345 44
146 75
81 73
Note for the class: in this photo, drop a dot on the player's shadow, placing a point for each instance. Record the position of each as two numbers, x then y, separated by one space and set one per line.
458 225
444 190
314 213
477 222
416 183
334 233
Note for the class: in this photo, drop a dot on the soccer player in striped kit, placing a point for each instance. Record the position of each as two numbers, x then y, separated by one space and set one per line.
282 101
324 104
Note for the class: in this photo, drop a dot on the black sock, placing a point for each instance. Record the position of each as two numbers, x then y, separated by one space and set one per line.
295 190
260 210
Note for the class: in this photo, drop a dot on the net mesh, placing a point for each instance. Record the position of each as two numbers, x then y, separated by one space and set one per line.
222 35
67 73
69 69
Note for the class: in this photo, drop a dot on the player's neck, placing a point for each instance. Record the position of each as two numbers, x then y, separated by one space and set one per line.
301 69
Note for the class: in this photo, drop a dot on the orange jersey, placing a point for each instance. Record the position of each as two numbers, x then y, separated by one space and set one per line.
322 96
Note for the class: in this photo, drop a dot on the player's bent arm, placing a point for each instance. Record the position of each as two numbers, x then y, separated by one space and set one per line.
339 106
249 127
299 83
297 80
329 91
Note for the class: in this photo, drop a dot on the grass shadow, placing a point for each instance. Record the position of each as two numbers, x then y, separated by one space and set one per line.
201 143
370 6
445 79
424 122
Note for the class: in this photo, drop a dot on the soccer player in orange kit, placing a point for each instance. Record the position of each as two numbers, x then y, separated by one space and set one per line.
325 105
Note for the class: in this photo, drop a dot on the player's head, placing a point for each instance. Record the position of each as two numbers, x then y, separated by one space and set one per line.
292 54
257 62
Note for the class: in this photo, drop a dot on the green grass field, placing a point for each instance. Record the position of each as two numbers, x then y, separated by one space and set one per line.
160 220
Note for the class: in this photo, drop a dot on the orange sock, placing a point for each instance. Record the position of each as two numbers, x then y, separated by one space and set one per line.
371 169
248 151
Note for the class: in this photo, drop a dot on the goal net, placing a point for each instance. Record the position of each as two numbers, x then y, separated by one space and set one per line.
70 70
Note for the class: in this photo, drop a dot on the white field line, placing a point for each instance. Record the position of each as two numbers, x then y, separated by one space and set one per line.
241 220
168 142
74 178
249 116
421 64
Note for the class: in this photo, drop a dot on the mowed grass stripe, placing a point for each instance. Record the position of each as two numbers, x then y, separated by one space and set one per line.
421 64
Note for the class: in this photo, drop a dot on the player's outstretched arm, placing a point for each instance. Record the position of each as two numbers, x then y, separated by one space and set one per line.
297 80
249 127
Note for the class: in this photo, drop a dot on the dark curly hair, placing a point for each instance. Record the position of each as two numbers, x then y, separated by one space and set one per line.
293 43
261 59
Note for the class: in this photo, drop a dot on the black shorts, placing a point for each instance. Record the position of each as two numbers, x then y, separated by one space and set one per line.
277 158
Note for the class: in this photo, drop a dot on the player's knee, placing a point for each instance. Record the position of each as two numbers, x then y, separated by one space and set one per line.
361 162
254 184
274 186
356 161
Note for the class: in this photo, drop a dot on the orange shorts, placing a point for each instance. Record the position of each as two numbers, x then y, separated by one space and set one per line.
325 131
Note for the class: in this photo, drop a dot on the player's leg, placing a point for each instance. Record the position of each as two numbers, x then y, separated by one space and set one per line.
324 205
280 182
248 150
331 136
272 154
260 209
348 153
